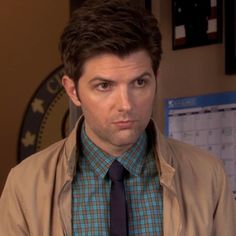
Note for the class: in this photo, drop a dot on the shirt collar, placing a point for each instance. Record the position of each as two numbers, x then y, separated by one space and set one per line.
132 159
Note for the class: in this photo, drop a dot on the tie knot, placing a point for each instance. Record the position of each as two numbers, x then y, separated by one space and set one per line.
116 171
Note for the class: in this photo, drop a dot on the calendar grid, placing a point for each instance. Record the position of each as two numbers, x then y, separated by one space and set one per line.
208 122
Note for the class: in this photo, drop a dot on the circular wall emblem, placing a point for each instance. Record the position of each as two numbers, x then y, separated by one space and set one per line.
46 117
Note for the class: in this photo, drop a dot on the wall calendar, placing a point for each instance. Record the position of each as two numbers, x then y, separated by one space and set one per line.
209 122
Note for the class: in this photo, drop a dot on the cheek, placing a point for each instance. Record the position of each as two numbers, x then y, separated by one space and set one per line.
145 109
94 114
146 102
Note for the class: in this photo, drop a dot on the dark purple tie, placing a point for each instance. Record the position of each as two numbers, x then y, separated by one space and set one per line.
118 210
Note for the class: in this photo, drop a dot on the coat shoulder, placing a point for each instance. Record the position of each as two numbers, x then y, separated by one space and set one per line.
42 163
187 152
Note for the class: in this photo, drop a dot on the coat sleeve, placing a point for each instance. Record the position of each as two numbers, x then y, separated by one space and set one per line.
12 217
225 211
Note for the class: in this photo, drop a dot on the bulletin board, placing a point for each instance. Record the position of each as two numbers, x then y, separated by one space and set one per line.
209 122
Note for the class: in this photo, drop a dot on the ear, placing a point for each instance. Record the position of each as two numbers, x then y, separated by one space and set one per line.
71 89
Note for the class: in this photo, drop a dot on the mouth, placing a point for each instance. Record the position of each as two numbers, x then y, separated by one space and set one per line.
124 124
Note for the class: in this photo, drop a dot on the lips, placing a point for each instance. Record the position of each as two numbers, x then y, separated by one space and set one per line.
124 124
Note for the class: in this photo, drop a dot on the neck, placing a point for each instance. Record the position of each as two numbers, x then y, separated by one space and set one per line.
107 146
115 151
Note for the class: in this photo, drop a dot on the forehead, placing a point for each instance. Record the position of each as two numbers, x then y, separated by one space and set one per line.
112 65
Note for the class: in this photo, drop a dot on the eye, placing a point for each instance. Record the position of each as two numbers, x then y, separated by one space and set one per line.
104 86
140 83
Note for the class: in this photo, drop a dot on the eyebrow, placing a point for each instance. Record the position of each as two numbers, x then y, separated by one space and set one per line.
99 78
143 75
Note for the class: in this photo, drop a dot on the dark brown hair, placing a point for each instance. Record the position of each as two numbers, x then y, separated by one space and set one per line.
108 26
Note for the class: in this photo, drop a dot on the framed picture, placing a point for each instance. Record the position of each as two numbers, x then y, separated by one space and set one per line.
230 37
148 5
196 23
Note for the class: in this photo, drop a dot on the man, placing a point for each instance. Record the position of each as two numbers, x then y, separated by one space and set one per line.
111 52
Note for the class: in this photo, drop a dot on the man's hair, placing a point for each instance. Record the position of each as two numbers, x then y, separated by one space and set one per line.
108 26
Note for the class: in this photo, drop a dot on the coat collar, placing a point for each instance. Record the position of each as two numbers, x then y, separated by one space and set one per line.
163 154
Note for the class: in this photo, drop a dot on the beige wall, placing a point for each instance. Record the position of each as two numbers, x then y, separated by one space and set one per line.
29 32
188 72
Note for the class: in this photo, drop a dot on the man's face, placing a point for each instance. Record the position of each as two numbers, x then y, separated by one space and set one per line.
116 96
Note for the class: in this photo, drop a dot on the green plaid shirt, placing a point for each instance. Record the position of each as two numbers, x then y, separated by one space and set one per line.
91 190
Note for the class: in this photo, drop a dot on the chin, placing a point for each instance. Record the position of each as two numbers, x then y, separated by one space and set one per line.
126 141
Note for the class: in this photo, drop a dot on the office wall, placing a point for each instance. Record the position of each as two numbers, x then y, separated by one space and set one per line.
29 32
188 72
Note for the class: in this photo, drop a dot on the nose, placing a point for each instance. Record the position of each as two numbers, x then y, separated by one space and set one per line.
124 100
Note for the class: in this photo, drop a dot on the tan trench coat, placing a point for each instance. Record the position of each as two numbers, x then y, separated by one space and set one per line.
36 200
